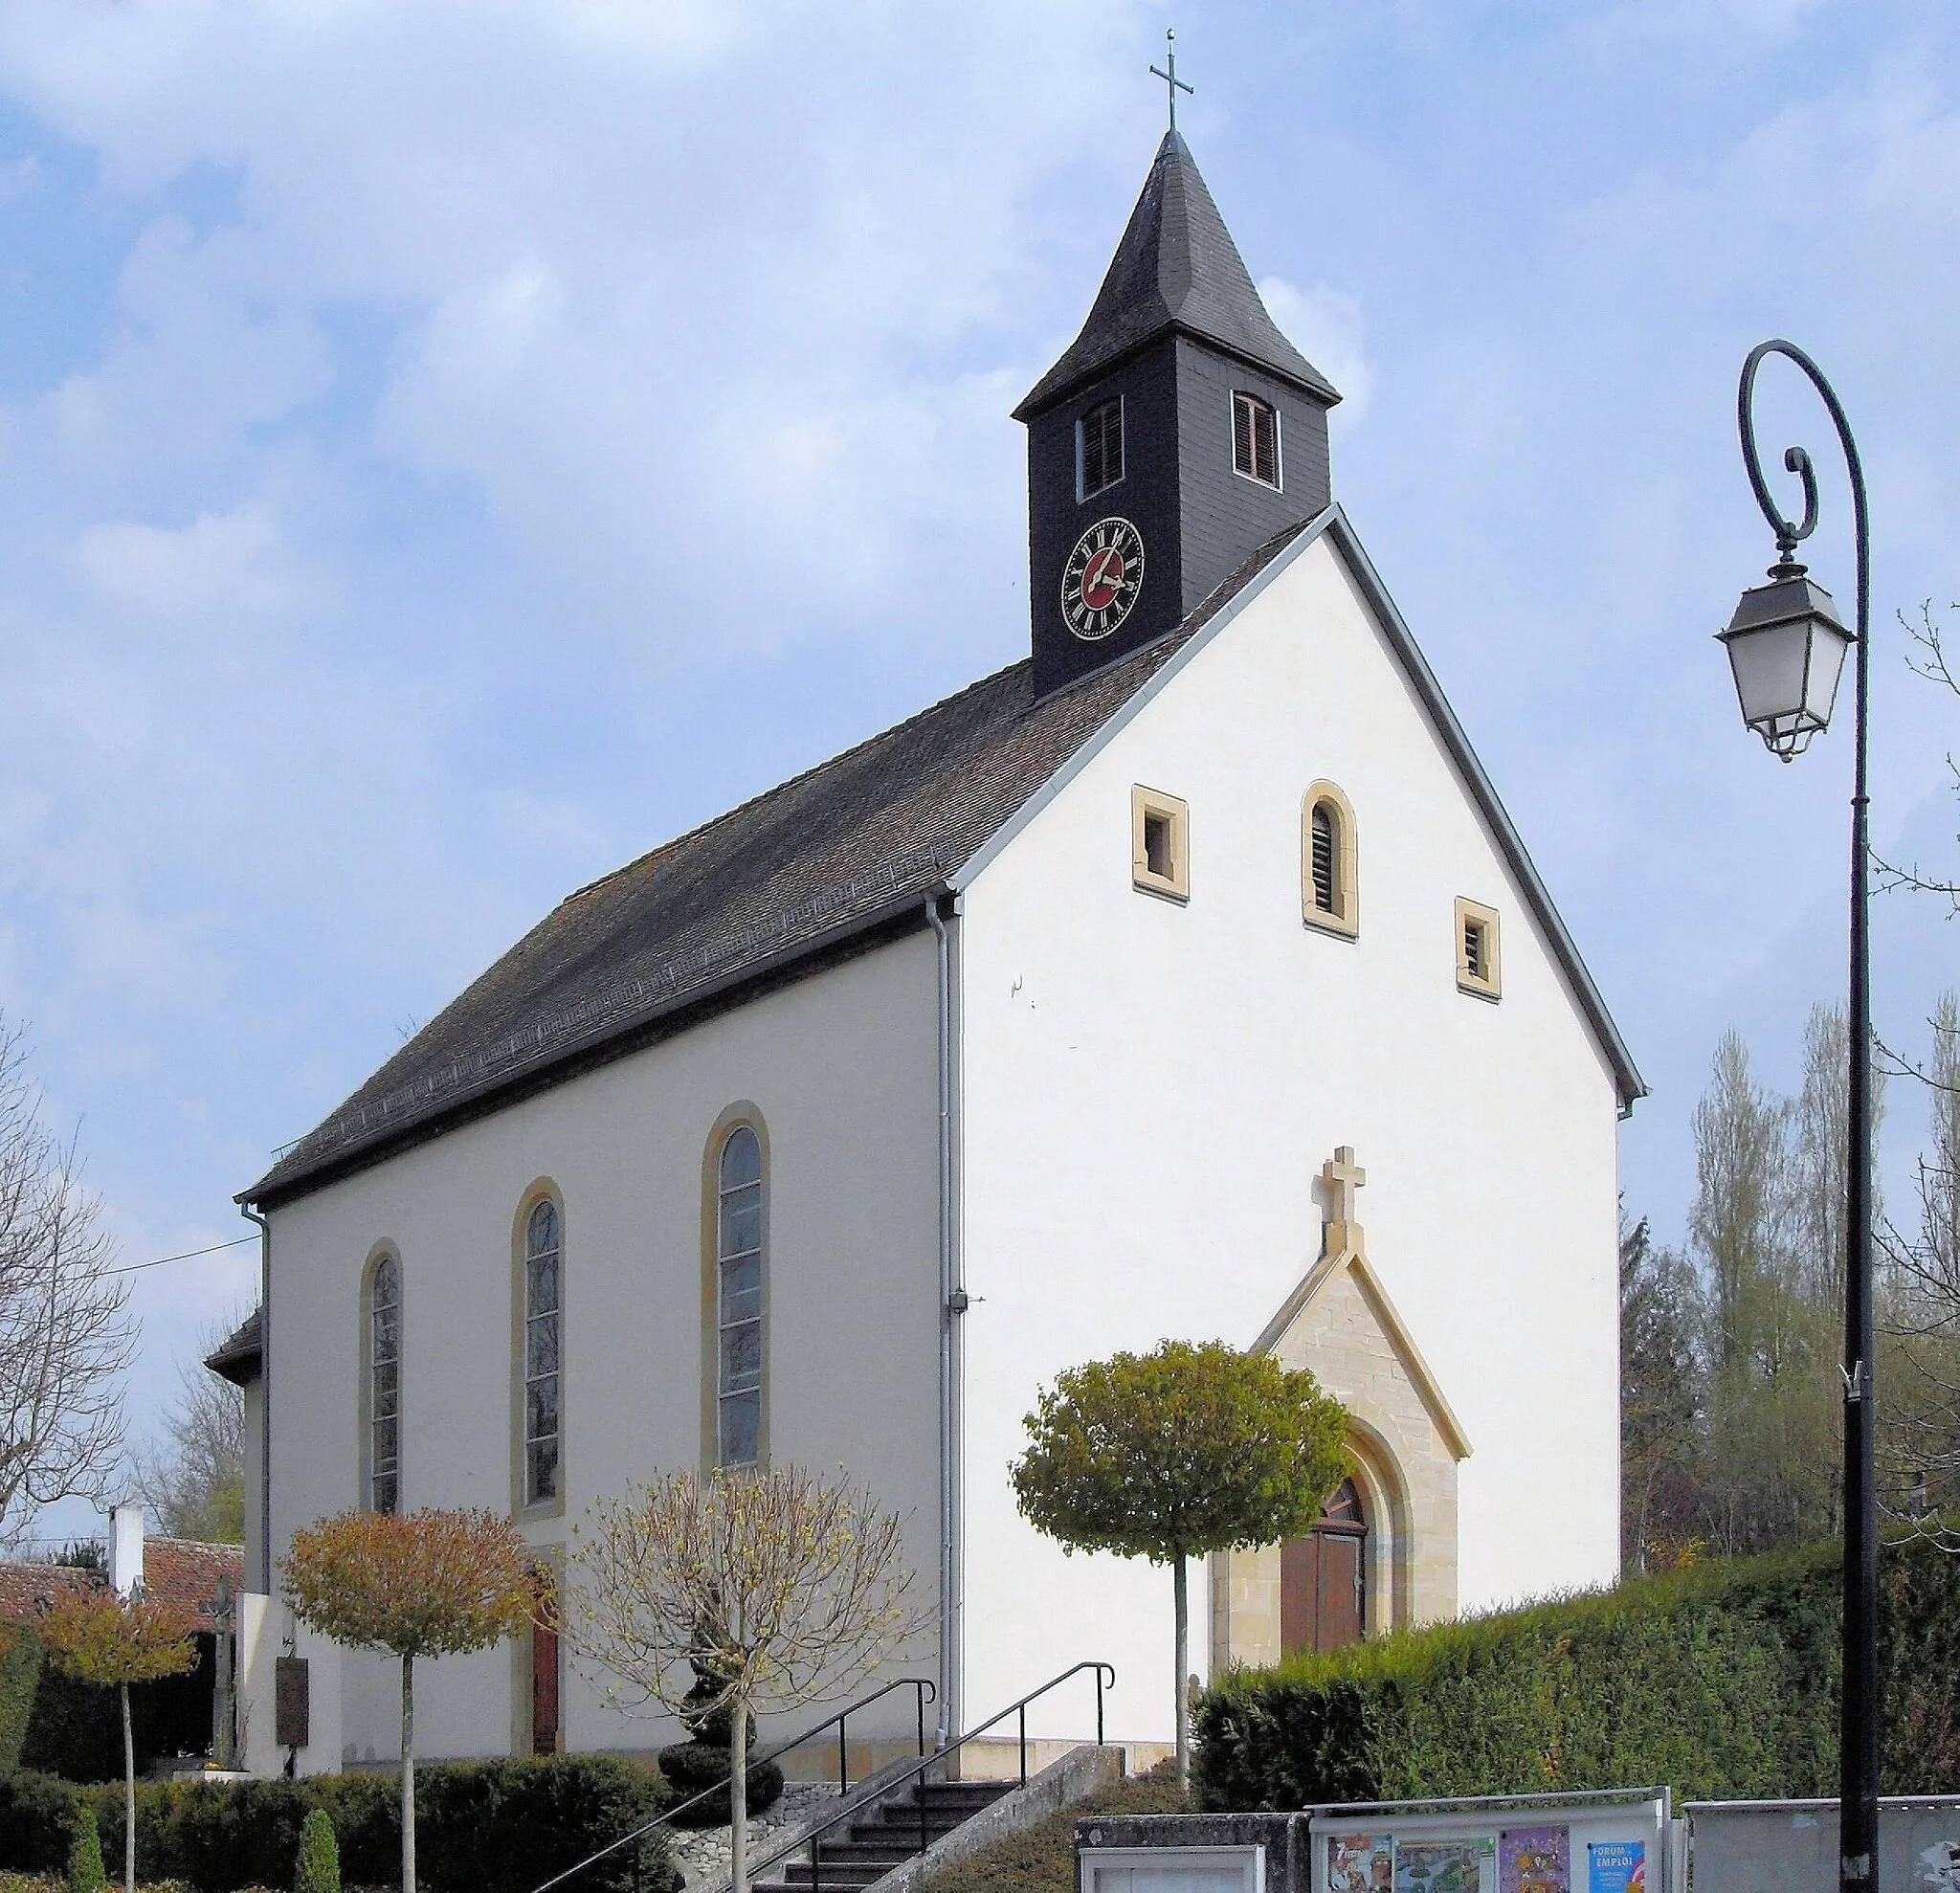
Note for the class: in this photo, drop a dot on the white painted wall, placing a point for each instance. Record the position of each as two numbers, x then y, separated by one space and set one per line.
844 1069
1149 1090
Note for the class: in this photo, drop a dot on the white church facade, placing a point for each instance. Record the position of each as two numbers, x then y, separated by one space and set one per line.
1063 1018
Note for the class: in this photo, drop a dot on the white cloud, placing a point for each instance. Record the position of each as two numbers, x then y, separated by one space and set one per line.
1324 324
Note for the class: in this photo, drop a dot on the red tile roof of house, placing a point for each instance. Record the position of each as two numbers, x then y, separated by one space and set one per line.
179 1571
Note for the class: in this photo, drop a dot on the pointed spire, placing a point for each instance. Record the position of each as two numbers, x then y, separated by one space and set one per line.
1176 268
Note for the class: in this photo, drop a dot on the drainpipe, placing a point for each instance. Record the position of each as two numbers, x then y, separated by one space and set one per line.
952 1304
264 1393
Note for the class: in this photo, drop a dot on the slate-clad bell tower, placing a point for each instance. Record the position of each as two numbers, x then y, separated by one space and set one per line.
1177 434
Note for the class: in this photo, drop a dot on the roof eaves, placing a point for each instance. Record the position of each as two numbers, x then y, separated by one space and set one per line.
1050 391
604 1045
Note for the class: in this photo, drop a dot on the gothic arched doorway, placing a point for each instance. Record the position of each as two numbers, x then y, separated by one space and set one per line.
1324 1577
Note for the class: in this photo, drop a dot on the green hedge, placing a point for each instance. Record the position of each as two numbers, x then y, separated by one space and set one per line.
1720 1681
501 1827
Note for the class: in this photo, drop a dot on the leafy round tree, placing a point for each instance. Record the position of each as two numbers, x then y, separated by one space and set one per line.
416 1584
1171 1454
100 1638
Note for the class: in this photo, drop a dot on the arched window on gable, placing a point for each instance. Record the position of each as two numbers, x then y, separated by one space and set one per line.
1329 899
544 1305
739 1239
385 1384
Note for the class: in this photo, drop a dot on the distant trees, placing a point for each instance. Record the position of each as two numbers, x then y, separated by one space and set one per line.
193 1482
1174 1454
416 1584
64 1340
783 1586
1730 1401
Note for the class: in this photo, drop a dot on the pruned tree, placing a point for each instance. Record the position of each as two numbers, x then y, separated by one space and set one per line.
785 1587
417 1584
192 1480
1174 1454
100 1638
64 1338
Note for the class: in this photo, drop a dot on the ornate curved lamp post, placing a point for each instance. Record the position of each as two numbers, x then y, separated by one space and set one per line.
1786 646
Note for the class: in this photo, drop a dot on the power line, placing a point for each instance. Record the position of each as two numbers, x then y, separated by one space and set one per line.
136 1268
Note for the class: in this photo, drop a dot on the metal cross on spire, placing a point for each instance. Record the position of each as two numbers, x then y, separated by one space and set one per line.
1173 84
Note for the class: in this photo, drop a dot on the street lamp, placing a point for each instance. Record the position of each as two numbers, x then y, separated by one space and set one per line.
1786 646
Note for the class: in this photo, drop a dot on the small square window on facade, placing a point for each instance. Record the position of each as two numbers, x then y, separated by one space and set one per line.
1330 900
1255 438
1098 447
1477 963
1160 844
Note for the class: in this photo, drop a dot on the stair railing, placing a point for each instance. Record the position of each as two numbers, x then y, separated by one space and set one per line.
813 1837
923 1692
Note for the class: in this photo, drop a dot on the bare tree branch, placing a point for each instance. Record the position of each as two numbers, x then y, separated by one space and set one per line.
192 1482
64 1338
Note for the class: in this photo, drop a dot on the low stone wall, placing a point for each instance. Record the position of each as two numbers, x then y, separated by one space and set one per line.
1283 1836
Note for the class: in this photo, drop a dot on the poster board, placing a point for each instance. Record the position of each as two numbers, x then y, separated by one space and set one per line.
1592 1843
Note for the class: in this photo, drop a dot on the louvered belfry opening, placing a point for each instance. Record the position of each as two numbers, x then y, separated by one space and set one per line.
1255 438
1473 951
1102 447
1324 889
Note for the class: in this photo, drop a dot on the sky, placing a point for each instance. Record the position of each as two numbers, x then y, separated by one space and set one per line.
446 451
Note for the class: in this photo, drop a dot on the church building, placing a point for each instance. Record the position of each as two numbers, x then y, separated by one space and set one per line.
1185 979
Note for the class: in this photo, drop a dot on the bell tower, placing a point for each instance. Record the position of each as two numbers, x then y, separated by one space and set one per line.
1178 432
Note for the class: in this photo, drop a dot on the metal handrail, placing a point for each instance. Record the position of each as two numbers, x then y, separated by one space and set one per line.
924 1691
813 1837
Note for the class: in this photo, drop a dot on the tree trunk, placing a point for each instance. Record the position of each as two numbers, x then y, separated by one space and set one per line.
129 1796
738 1796
408 1775
1183 1706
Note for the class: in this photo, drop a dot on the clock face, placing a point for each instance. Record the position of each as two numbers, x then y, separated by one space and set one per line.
1103 579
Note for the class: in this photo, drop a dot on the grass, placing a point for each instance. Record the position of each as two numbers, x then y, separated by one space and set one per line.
1042 1857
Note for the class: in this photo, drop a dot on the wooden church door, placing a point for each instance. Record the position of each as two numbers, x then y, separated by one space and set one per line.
1324 1579
545 1668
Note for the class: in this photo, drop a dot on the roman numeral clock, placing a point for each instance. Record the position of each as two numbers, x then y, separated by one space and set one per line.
1103 579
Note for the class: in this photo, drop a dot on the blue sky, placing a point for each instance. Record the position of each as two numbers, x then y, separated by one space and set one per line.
446 451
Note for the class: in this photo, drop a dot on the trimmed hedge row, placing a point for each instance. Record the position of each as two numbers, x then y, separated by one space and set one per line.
1720 1680
501 1827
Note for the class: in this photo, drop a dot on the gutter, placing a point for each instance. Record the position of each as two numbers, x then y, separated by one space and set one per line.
264 1393
953 1304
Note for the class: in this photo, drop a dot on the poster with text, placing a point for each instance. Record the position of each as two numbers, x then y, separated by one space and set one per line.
1535 1860
1445 1866
1360 1863
1616 1866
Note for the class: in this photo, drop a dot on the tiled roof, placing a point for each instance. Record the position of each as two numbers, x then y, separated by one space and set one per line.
237 1357
179 1571
860 842
1176 268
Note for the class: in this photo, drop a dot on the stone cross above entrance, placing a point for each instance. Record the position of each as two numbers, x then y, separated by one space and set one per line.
1343 1177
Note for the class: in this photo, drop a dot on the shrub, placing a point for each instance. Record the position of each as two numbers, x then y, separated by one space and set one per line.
20 1675
85 1873
1720 1680
318 1869
487 1827
37 1821
691 1766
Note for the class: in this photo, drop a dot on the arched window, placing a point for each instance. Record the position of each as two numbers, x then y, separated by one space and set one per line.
542 1334
385 1385
738 1299
1324 1579
1328 863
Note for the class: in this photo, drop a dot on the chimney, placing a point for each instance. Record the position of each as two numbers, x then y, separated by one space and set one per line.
125 1550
